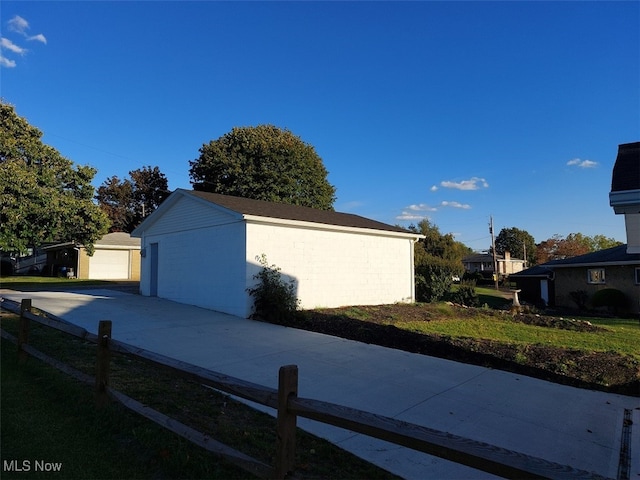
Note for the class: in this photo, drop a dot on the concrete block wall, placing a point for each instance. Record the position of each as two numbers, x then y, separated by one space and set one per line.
335 268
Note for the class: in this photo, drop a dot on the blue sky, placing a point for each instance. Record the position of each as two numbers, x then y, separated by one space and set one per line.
453 111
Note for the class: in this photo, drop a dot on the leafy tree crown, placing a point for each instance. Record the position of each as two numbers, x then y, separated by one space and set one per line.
263 163
128 202
44 197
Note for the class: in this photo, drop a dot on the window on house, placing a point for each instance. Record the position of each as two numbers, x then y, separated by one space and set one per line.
595 275
637 275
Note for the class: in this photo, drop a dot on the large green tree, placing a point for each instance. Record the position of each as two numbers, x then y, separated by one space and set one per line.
437 258
263 163
517 242
128 202
44 197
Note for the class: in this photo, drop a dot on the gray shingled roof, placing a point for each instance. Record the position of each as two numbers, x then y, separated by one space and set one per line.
118 239
612 256
535 271
626 171
284 211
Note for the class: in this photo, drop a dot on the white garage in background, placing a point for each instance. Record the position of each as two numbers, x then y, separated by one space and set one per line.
116 257
109 264
200 248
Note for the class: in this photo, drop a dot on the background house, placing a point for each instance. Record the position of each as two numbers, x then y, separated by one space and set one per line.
200 248
617 267
116 257
483 263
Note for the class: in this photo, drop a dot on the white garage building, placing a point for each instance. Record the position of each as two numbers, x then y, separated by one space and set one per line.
201 249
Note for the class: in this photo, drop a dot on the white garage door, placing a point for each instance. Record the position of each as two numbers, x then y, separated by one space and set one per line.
109 265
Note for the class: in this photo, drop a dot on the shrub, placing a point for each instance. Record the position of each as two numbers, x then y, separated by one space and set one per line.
433 281
580 297
472 277
274 299
611 298
465 294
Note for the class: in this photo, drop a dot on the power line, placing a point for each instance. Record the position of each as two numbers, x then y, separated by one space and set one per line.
90 146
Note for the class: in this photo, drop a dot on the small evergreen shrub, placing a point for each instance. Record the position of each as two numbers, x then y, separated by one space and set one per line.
613 299
580 298
433 281
274 299
465 294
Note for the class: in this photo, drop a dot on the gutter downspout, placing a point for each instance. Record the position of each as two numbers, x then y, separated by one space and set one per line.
413 266
77 270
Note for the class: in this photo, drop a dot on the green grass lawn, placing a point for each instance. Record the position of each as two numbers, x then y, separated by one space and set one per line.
34 281
621 335
47 416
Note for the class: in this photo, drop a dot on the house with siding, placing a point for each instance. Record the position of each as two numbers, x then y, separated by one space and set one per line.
483 263
617 267
202 249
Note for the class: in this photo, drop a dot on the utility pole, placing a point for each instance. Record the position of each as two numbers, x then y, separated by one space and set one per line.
524 248
493 249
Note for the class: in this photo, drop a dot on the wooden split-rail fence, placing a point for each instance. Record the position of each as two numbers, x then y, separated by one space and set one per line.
289 406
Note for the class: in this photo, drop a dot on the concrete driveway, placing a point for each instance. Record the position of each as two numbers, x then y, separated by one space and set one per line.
566 425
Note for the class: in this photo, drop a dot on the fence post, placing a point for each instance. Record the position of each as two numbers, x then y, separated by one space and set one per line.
23 329
286 426
103 363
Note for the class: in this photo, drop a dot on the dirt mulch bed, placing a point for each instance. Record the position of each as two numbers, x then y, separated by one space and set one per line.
606 371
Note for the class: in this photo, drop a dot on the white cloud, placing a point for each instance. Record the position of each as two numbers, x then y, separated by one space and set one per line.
12 47
410 216
464 206
434 188
18 24
421 207
415 212
38 38
577 162
5 62
475 183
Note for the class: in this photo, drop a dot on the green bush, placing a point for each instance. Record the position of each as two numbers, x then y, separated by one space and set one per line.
580 297
433 279
465 294
473 277
611 298
274 299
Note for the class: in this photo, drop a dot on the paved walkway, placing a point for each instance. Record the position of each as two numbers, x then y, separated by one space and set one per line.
566 425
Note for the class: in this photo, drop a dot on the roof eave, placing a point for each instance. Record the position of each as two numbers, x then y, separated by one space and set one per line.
596 264
256 219
625 201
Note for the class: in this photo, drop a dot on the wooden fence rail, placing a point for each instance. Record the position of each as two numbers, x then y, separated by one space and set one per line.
479 455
